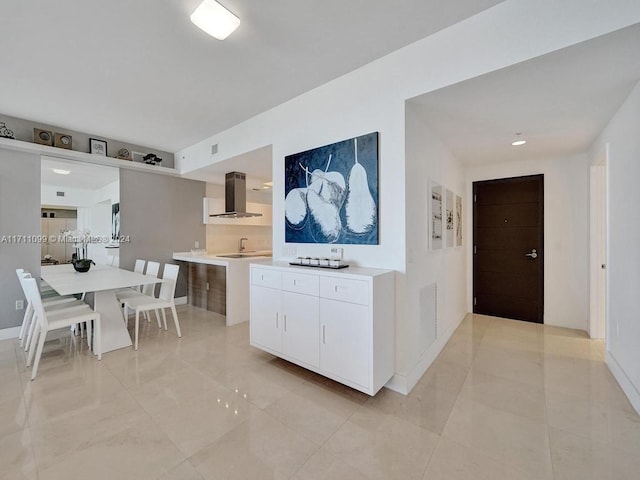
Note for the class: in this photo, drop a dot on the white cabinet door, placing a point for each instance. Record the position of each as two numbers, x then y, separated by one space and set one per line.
345 340
300 329
266 324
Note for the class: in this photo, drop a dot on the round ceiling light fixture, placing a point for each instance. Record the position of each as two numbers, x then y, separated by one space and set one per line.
518 140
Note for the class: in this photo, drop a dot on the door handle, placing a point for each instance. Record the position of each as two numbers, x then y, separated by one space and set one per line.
533 254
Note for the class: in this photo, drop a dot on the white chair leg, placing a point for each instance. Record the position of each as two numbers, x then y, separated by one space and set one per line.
164 318
25 322
175 320
32 328
158 318
26 325
41 339
98 335
89 336
146 316
137 326
34 338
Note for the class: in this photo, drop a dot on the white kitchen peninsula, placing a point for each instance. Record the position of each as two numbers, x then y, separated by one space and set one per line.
338 323
237 280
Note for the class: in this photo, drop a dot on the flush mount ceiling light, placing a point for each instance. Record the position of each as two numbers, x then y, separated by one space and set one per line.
59 171
214 19
518 140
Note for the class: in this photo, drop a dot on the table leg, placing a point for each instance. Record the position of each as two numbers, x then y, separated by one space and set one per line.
114 331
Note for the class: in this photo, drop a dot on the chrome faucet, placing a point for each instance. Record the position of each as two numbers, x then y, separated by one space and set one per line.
242 246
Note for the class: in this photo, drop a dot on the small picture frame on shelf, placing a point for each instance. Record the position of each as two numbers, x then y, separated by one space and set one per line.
97 147
137 156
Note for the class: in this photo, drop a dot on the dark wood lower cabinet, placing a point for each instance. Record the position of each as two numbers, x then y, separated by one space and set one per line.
208 287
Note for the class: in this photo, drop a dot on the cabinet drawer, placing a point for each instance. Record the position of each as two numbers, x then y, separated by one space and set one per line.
345 290
266 278
301 283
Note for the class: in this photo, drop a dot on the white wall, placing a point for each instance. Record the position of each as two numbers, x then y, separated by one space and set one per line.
372 98
73 197
566 234
623 265
428 159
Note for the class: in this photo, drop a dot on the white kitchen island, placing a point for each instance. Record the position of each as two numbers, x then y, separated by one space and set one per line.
237 279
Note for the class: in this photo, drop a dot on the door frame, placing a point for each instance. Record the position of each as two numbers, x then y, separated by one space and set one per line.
541 196
598 246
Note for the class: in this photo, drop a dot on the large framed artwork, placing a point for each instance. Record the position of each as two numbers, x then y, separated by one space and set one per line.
331 193
449 207
435 211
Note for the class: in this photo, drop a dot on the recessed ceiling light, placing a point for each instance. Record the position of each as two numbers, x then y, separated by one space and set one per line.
59 171
518 140
214 19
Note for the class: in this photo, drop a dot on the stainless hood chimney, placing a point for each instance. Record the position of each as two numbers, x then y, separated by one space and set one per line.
235 197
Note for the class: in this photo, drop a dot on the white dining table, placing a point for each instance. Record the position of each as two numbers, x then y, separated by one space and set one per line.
103 281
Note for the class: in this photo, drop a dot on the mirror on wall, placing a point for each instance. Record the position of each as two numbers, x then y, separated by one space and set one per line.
79 197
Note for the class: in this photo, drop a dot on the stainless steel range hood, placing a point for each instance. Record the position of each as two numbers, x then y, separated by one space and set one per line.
235 197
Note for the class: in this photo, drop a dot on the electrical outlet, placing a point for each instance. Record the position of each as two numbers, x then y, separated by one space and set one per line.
336 253
19 304
197 244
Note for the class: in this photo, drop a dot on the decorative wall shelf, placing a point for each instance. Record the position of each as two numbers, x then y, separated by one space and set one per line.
61 153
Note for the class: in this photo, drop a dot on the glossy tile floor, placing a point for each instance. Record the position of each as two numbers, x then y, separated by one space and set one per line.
505 400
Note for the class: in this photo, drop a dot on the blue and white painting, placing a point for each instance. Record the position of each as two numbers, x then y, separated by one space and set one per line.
331 193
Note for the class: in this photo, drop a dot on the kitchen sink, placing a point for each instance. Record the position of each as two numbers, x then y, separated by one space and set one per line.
243 255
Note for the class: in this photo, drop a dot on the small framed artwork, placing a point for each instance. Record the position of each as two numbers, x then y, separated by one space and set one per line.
458 221
98 147
137 156
435 212
449 219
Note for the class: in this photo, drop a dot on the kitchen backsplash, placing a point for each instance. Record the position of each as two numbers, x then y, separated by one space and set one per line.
226 238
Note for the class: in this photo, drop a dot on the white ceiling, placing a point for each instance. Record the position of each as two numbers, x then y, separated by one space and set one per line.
257 164
140 72
561 102
86 176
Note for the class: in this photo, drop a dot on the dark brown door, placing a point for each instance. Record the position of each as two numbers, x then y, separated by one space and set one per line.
508 258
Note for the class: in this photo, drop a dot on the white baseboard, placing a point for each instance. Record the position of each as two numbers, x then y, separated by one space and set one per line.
624 381
180 300
7 333
405 383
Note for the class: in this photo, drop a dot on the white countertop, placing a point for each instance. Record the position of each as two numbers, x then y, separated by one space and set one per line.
352 270
216 259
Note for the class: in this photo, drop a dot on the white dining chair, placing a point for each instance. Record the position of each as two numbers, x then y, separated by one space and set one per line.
148 290
137 268
47 321
145 303
26 330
